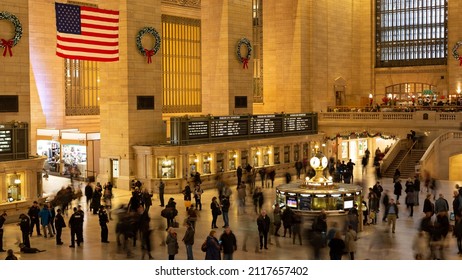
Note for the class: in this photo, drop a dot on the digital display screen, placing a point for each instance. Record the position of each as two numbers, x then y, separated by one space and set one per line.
292 202
348 204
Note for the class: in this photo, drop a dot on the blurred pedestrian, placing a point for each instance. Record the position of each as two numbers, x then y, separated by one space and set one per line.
59 224
24 225
392 214
228 243
172 243
2 222
337 247
188 240
212 247
350 242
263 223
216 211
277 219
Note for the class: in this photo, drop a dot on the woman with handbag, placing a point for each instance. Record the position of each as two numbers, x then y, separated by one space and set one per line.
216 211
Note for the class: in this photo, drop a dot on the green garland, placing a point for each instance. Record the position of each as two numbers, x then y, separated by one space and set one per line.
8 44
148 52
244 60
363 134
455 54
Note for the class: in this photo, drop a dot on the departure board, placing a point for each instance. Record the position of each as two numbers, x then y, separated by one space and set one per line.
265 124
198 129
297 122
6 141
206 129
229 126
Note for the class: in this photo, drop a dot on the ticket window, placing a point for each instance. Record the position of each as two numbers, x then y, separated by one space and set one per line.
220 162
296 152
14 190
286 154
306 150
256 156
206 168
244 160
232 158
266 160
193 162
166 168
277 159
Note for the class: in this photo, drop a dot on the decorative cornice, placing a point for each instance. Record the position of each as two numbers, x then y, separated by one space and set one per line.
185 3
415 69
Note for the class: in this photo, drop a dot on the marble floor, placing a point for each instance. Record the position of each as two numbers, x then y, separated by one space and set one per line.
373 243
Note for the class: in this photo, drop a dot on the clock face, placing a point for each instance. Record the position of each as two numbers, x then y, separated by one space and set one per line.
314 162
324 162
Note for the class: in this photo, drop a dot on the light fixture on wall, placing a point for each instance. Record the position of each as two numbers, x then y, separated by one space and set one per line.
268 151
167 162
208 157
17 179
234 154
196 160
258 152
458 90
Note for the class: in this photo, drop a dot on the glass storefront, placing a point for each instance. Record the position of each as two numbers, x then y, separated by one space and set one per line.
74 158
52 151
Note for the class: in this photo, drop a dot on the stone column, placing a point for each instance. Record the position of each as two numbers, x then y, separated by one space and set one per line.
122 124
224 23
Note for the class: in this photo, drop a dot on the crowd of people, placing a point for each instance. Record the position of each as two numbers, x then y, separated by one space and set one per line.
133 221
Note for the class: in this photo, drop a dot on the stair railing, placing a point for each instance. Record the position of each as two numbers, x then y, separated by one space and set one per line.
405 157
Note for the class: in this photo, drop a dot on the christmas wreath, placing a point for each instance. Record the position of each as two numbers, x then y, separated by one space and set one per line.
455 54
148 52
244 60
8 44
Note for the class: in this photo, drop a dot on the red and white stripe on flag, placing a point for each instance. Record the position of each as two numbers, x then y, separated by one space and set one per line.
87 33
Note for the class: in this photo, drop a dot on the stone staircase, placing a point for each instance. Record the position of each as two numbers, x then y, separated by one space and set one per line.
408 164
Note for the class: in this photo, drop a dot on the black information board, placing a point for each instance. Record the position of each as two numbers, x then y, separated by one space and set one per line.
228 126
198 129
265 124
297 122
6 141
193 130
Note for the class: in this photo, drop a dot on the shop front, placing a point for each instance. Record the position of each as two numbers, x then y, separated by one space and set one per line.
217 161
69 152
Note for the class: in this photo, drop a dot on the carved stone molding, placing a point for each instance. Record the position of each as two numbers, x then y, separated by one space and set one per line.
186 3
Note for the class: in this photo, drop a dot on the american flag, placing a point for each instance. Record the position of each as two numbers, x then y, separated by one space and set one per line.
87 33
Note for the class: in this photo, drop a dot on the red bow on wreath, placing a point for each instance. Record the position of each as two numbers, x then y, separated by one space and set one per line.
460 60
149 53
7 45
245 63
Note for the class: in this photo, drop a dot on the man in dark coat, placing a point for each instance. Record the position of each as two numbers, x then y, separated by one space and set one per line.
88 195
239 175
59 224
76 225
103 220
34 218
228 244
263 223
24 225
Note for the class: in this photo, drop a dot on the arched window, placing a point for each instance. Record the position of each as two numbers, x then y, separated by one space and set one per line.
416 93
411 32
